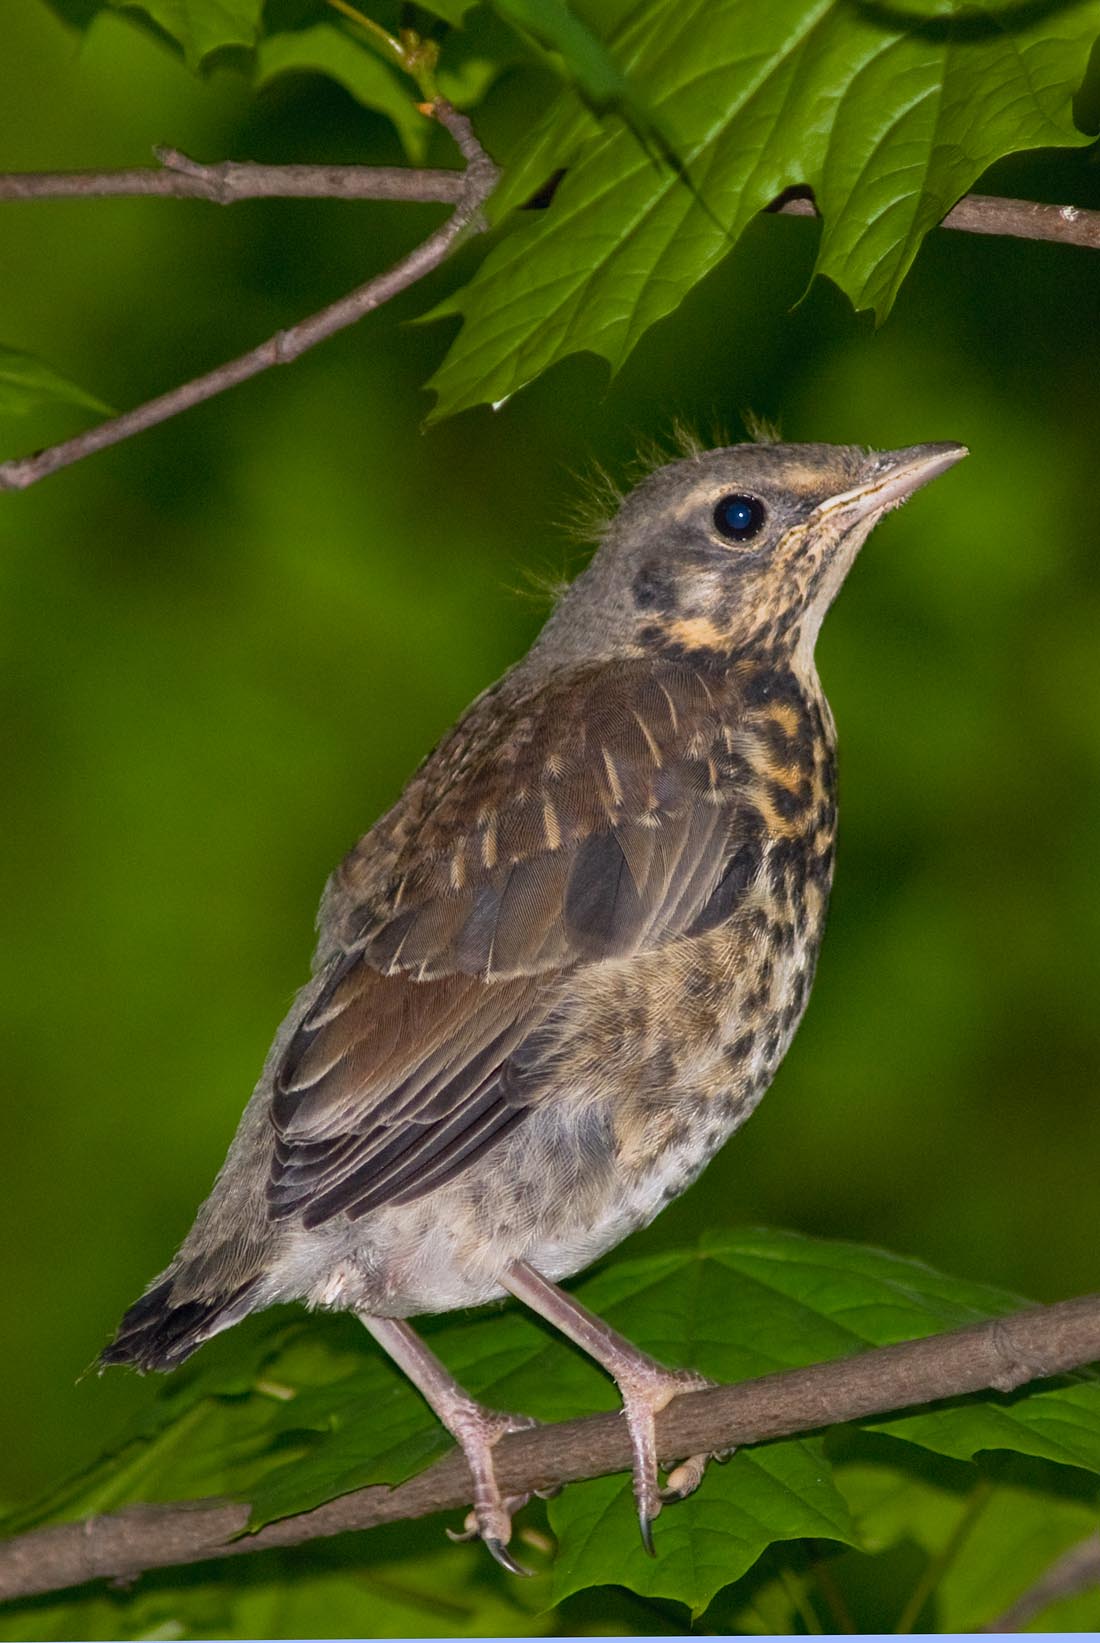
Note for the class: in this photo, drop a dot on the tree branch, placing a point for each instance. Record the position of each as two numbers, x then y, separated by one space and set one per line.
476 181
1001 1354
181 178
989 214
231 180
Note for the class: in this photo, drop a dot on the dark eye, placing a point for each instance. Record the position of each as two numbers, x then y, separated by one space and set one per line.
739 518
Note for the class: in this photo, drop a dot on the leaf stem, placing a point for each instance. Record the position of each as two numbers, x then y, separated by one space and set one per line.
409 51
795 1587
830 1591
937 1566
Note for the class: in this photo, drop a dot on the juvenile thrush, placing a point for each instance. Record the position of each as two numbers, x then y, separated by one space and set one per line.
565 966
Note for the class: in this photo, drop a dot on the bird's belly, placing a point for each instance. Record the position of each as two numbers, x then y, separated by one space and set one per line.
635 1197
450 1251
665 1144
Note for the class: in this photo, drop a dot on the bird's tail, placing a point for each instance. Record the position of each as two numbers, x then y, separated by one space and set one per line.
167 1324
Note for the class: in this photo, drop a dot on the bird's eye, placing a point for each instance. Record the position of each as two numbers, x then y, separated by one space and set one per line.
739 518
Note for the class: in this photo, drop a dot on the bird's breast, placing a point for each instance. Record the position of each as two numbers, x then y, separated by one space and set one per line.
677 1044
724 1000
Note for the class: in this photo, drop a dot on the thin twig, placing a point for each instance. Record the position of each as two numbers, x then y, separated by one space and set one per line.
989 214
178 177
1076 1571
1003 1354
478 179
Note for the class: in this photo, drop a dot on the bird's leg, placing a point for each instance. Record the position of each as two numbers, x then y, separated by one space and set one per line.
474 1428
646 1387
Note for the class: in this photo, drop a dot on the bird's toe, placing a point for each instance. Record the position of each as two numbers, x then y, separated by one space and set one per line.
684 1479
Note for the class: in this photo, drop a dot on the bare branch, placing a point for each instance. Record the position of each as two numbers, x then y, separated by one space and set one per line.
1001 1354
1076 1571
1025 220
181 178
478 180
230 180
988 214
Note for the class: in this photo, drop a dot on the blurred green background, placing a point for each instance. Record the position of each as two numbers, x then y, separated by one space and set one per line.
227 643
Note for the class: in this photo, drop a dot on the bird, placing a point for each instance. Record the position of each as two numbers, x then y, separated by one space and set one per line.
556 976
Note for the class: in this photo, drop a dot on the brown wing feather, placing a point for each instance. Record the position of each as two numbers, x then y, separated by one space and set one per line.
544 835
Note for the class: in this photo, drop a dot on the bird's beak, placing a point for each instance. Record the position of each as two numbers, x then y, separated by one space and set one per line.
892 476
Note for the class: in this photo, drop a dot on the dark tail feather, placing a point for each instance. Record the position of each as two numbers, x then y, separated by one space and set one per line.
158 1333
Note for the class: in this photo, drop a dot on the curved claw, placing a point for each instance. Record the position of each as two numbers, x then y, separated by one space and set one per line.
504 1556
645 1525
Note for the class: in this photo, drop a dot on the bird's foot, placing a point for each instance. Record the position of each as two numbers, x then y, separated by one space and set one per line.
478 1430
646 1388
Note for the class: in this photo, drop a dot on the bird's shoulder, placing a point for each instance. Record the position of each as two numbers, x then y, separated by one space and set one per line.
532 776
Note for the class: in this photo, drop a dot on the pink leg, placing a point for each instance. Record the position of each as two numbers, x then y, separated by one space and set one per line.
474 1428
646 1386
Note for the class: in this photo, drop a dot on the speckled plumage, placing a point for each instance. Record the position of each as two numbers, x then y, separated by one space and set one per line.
563 969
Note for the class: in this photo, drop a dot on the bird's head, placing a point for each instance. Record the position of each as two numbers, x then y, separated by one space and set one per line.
739 548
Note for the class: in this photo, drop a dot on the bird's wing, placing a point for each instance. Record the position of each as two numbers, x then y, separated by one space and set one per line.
583 823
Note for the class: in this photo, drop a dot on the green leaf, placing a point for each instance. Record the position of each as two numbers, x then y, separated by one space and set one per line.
587 59
451 11
774 1492
1054 1421
329 49
591 67
472 59
27 382
947 1546
889 118
215 1426
991 1538
202 26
